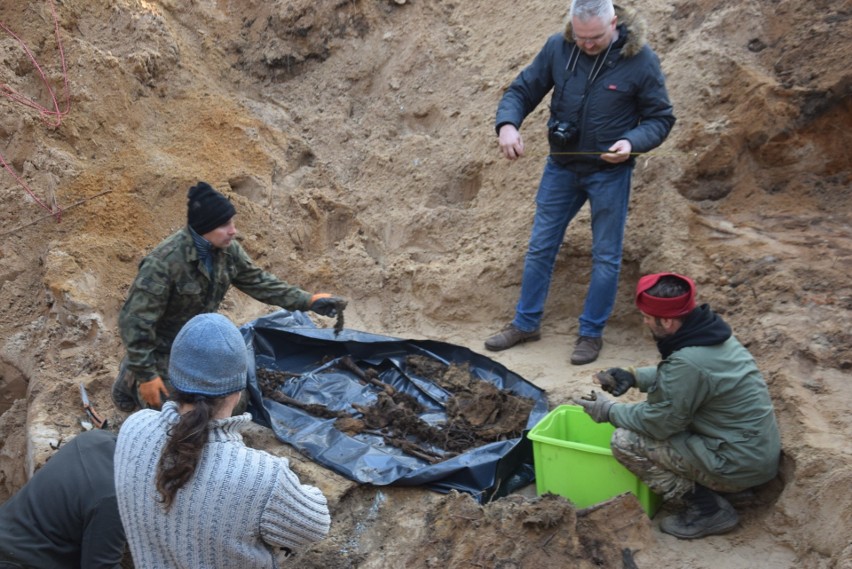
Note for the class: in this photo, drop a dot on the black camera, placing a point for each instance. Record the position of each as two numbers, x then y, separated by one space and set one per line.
562 133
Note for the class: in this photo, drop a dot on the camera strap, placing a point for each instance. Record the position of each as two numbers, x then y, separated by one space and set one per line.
570 67
575 55
596 68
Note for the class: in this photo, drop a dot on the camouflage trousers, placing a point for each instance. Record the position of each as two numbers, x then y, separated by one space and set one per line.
128 386
659 465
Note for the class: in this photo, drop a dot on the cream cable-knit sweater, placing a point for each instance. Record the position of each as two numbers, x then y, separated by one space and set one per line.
239 502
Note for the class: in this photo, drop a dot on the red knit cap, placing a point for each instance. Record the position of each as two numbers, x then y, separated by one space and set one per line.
675 307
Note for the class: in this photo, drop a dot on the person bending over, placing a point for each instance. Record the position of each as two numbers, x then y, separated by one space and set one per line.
707 425
188 274
66 516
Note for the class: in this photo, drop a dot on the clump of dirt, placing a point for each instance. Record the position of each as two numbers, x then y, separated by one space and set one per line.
13 426
478 412
493 414
269 380
338 323
509 533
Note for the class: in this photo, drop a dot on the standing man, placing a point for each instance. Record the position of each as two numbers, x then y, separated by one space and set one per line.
66 516
707 425
609 103
185 275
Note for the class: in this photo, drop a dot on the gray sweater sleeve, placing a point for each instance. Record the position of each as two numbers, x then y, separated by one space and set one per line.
296 514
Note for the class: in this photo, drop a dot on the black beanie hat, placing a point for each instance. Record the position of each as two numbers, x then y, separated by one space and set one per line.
207 209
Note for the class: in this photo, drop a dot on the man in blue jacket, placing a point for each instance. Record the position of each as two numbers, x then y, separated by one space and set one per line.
609 103
707 425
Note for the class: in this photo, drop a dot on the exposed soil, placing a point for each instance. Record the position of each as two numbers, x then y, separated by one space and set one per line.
356 140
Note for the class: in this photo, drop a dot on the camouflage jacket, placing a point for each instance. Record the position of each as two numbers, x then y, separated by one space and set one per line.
173 285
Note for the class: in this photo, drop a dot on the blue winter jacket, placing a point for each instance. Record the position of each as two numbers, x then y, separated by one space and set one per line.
626 100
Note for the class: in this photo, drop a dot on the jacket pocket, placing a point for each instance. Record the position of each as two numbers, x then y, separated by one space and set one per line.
614 111
150 286
707 451
189 288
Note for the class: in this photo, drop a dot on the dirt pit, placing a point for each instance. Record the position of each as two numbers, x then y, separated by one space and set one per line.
356 141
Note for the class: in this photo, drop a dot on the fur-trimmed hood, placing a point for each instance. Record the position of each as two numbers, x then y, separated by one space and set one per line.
635 24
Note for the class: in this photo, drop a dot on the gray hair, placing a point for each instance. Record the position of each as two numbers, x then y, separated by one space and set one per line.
587 10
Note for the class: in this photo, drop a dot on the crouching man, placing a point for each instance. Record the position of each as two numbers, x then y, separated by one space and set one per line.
707 425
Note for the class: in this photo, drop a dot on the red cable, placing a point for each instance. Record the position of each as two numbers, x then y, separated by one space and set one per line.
52 117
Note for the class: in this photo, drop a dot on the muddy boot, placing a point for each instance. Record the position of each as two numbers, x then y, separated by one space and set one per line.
586 350
741 499
509 336
706 513
121 394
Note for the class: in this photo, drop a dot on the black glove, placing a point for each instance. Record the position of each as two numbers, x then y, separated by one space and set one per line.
616 380
596 406
326 305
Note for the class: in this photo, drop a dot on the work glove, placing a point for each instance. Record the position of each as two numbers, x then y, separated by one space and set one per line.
596 406
153 392
325 304
616 380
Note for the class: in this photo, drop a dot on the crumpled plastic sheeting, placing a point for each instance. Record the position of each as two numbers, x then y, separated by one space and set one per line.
290 342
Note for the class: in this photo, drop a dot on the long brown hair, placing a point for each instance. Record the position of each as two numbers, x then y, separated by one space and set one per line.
186 440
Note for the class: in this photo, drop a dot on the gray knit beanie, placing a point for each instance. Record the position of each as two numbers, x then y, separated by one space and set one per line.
209 357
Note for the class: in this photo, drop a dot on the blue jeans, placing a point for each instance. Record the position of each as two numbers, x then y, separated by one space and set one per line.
561 194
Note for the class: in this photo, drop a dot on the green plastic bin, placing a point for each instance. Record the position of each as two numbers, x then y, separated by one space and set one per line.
572 458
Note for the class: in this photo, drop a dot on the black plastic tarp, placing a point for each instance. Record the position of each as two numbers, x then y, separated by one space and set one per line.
289 342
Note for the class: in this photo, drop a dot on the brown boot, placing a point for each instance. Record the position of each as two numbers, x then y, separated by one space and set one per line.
586 350
509 336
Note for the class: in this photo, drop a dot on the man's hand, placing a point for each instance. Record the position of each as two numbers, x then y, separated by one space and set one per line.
153 392
325 304
618 152
596 406
615 380
511 143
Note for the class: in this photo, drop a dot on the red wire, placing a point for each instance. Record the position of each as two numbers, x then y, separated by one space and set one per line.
52 117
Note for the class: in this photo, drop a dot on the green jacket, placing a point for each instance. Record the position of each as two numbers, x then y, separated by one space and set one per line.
712 404
173 285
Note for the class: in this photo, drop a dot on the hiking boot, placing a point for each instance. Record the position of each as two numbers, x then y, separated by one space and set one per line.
741 499
586 350
509 336
699 521
121 396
